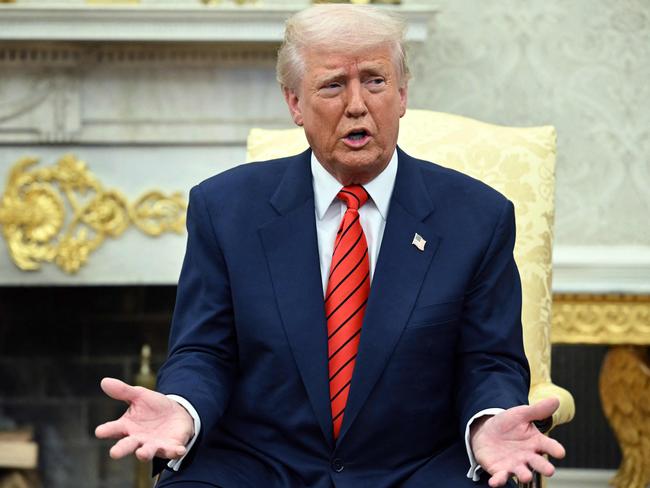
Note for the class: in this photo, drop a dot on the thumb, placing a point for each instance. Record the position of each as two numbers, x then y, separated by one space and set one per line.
542 409
118 390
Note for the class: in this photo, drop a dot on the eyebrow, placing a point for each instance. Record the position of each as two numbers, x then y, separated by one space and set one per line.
331 76
364 69
372 68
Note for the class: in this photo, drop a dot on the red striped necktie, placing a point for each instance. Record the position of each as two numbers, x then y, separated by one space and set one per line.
347 292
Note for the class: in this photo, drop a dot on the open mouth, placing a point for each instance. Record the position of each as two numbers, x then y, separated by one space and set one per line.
357 138
357 135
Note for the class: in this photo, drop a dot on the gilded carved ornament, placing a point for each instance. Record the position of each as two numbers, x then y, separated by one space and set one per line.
623 322
62 213
601 319
624 392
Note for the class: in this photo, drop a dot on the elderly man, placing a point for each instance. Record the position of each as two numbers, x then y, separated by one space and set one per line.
346 317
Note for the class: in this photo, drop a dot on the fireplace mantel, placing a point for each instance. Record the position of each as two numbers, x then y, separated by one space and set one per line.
156 23
155 95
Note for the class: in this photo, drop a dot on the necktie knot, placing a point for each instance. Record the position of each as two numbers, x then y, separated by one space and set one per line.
354 196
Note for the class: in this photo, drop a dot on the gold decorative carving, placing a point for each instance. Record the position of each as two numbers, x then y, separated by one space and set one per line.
624 393
624 322
62 213
601 319
155 213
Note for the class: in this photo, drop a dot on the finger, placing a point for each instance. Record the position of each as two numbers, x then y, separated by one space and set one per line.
118 390
522 473
172 452
111 430
124 447
499 478
542 409
148 451
541 465
552 447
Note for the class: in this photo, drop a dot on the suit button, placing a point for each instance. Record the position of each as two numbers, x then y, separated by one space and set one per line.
337 465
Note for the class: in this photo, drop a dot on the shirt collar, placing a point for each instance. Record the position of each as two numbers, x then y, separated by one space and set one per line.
326 187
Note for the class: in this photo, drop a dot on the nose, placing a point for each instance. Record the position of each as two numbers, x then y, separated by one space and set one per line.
356 105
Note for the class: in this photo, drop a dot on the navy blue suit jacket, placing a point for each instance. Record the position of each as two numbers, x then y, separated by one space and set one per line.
441 338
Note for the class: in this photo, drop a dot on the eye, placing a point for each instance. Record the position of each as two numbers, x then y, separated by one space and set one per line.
330 89
376 82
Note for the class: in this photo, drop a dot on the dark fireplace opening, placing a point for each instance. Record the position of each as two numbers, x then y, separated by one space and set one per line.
56 343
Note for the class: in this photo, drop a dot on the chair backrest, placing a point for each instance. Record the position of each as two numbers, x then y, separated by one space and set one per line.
518 162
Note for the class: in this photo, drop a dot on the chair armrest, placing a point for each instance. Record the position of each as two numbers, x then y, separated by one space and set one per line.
564 414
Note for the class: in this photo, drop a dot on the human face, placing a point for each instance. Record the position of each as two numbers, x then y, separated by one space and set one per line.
349 106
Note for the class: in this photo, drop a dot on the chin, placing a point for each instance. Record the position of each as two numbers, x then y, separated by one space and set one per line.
358 157
361 169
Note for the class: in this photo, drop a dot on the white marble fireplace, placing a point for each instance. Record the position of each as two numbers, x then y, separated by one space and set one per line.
151 95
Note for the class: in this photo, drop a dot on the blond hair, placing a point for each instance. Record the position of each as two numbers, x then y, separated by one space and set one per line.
343 28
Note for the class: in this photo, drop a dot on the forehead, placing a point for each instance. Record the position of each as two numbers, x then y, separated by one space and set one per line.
323 61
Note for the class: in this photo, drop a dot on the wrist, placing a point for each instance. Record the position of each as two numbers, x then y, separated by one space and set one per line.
476 427
187 420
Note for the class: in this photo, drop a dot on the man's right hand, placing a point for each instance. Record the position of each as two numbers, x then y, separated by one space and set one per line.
152 426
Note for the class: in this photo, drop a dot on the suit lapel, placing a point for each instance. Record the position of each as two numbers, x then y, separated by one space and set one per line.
398 276
291 247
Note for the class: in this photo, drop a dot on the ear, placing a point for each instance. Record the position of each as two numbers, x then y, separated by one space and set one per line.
403 98
293 103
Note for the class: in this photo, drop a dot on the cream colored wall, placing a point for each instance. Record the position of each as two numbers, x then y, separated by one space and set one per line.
583 66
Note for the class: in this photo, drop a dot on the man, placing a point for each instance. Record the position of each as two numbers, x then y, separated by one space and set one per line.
346 317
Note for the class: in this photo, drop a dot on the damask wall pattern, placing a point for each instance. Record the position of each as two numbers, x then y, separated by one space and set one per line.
583 66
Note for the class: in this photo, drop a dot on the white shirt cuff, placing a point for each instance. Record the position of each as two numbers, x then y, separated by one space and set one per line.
474 468
175 464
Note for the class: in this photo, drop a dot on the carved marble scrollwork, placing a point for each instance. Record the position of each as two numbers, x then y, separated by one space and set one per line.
62 213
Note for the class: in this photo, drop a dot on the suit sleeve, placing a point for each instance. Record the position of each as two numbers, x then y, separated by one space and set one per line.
202 346
493 370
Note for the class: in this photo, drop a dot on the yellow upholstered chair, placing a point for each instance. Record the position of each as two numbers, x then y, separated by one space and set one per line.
518 162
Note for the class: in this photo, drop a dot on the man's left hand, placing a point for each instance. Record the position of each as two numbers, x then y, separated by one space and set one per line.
508 444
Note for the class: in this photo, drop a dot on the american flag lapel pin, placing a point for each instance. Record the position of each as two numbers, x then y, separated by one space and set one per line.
418 241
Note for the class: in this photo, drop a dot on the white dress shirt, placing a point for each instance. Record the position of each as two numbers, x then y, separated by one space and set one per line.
330 211
372 216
